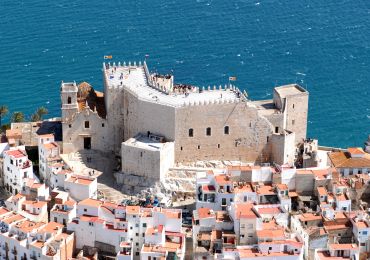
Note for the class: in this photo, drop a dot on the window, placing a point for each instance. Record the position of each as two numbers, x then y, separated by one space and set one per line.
208 131
270 248
141 154
102 125
69 126
191 132
181 148
226 130
218 146
144 224
136 225
69 100
276 129
293 105
293 121
136 234
87 124
198 146
55 219
267 139
137 253
85 210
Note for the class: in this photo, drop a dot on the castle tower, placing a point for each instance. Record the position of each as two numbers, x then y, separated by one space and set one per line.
68 94
292 101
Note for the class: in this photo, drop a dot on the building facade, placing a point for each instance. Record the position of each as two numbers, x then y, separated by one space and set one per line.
214 123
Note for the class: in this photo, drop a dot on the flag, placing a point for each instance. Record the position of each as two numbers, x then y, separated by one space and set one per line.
108 57
232 78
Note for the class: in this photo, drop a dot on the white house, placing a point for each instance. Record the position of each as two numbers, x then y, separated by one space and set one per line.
16 168
106 225
48 153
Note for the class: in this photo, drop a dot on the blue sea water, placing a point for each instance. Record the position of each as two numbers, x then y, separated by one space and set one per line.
322 45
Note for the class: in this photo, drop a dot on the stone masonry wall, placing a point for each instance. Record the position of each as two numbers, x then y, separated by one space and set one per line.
246 141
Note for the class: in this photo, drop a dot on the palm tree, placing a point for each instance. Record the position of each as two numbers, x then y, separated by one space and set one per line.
17 117
35 117
3 111
41 111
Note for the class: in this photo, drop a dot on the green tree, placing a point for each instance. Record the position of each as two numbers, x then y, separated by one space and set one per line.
41 111
17 117
35 117
3 111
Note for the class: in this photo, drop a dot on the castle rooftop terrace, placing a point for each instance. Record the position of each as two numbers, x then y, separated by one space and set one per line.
135 79
153 142
290 90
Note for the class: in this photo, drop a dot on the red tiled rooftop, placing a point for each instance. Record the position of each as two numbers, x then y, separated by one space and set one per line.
208 188
343 247
15 153
244 210
269 210
205 213
223 179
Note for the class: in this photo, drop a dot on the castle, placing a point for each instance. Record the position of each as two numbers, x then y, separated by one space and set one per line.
152 123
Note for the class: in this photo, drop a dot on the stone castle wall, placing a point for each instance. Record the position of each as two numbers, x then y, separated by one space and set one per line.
249 136
246 140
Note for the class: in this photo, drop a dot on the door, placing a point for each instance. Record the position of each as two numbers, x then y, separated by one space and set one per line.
87 143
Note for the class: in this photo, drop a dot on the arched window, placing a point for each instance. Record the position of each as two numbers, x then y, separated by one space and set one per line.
226 130
69 100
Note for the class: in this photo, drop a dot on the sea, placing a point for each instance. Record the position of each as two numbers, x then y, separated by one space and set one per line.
322 45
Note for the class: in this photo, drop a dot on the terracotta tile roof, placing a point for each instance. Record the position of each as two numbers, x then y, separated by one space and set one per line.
52 227
46 136
278 233
36 204
360 224
282 186
355 150
309 217
171 213
322 191
223 179
38 244
343 247
208 188
91 203
3 211
344 160
244 210
154 230
16 153
205 213
239 168
94 219
79 180
269 210
132 209
265 190
243 188
50 145
28 226
292 194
